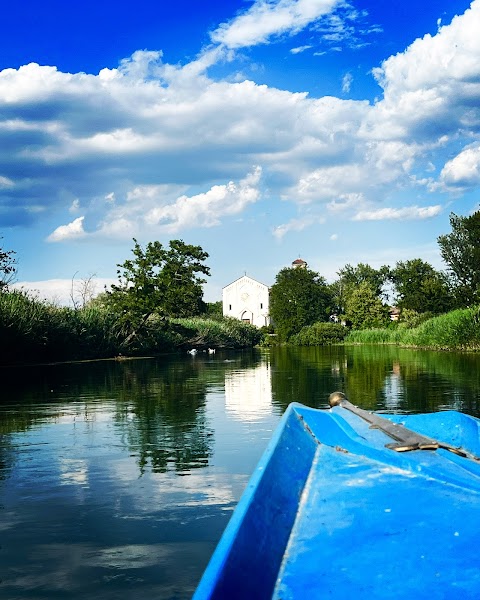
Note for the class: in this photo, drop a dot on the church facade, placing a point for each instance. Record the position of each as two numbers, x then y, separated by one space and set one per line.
247 300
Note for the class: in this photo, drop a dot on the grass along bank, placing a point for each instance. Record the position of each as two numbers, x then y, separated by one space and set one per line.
456 330
34 331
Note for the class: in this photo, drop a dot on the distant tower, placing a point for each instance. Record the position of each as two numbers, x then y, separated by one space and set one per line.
299 263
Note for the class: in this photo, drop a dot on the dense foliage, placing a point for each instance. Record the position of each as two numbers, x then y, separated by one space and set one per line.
299 297
158 281
319 334
199 332
350 277
460 250
456 330
214 310
364 309
421 288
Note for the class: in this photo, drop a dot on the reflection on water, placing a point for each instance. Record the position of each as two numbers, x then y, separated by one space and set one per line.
117 478
393 390
248 394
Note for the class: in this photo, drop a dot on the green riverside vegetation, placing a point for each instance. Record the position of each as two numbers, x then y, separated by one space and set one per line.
34 331
319 334
157 306
456 330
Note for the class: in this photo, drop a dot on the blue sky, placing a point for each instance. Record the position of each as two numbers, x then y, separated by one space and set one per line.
341 132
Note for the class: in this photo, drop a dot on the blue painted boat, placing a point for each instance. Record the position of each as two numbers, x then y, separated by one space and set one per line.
341 506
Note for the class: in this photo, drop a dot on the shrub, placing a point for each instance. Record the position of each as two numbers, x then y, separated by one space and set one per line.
319 334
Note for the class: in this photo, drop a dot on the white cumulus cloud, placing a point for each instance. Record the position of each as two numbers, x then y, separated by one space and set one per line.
158 208
206 209
296 225
300 49
73 230
463 171
432 88
5 182
347 80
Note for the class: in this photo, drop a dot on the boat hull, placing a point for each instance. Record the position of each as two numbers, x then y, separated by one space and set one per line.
331 512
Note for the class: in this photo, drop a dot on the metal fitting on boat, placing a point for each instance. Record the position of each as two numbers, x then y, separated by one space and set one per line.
336 398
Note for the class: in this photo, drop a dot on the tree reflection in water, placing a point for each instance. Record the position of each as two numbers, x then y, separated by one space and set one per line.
159 406
381 378
162 416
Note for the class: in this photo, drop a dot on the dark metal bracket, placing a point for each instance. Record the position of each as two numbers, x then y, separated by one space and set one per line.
406 439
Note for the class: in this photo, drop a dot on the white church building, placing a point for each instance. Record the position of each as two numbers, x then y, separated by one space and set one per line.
247 300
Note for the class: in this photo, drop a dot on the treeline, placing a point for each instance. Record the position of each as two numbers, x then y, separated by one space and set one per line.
157 306
396 300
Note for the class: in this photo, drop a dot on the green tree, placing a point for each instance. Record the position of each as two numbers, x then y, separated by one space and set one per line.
8 268
460 250
350 277
421 288
159 281
364 309
214 310
299 297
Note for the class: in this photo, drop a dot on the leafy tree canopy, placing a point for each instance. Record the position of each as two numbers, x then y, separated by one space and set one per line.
350 277
364 309
421 288
7 268
460 250
161 281
214 309
299 297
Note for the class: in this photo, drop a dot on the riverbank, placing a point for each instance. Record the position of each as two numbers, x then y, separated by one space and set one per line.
456 330
33 331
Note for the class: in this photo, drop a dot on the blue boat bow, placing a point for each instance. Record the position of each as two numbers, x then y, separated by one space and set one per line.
332 511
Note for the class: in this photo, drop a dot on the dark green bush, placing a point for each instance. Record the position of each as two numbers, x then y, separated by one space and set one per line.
319 334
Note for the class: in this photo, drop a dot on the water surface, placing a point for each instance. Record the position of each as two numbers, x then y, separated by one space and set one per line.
118 478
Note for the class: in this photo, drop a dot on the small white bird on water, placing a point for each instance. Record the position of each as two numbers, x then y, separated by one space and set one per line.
193 351
211 350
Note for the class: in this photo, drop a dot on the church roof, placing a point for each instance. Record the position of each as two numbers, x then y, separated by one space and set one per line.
245 277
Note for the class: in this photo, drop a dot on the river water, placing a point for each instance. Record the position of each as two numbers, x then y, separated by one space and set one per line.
117 478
